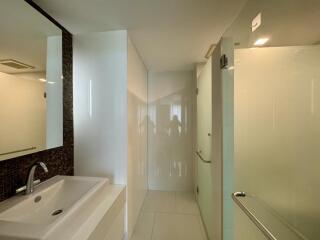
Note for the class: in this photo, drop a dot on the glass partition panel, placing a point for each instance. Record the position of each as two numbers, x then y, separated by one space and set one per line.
277 110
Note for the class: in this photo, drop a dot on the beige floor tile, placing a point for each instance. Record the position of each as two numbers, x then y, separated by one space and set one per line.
144 227
159 201
177 227
186 203
169 216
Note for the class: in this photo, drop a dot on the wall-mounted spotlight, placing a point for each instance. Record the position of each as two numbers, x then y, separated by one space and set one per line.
261 41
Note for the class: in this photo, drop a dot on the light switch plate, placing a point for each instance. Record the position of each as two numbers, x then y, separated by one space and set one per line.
256 22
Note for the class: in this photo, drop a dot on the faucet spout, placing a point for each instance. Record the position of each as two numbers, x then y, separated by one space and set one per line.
30 185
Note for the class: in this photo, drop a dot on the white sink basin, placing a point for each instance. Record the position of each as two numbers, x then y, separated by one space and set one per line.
35 216
56 195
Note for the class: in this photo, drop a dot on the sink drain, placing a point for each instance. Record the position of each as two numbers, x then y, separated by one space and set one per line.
37 199
57 212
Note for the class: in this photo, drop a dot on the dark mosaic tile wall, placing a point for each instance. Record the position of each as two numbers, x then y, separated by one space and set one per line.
13 172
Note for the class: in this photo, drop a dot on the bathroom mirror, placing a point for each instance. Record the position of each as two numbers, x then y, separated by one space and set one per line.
31 118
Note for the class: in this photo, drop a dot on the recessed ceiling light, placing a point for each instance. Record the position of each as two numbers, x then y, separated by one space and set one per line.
42 80
261 41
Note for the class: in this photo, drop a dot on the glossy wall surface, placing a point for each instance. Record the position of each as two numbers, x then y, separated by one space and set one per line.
137 183
277 131
171 110
111 114
100 105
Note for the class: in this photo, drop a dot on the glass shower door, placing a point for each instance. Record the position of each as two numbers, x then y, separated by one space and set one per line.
204 127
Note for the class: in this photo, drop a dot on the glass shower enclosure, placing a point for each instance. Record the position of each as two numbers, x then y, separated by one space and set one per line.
276 120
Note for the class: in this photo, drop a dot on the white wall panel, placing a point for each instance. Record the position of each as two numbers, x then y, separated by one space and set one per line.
137 135
100 105
171 99
110 107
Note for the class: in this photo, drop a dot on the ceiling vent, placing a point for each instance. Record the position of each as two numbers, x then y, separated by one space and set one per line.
15 64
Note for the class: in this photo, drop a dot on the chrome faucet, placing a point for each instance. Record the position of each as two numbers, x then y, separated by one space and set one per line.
30 182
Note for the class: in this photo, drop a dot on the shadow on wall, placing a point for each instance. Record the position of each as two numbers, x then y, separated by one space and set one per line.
170 131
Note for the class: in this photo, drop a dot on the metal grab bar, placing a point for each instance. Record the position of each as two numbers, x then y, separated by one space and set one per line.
201 158
282 230
256 221
17 151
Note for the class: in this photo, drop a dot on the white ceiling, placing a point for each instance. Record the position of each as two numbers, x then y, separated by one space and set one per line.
169 34
285 23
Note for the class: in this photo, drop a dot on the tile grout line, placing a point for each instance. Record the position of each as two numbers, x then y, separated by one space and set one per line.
202 229
153 224
155 213
174 213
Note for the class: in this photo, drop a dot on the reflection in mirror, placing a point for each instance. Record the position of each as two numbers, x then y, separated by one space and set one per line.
30 81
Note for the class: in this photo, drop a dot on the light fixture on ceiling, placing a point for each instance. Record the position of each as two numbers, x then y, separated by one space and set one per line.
42 80
261 41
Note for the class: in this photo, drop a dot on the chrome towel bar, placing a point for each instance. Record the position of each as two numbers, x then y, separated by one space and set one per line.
23 188
255 220
17 151
268 222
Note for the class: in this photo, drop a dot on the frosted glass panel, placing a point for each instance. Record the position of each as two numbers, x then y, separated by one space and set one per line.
246 230
204 112
204 148
277 106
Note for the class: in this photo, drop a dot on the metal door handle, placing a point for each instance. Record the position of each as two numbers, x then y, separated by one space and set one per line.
201 158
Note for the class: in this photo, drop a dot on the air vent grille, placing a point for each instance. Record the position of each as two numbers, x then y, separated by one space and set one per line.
15 64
